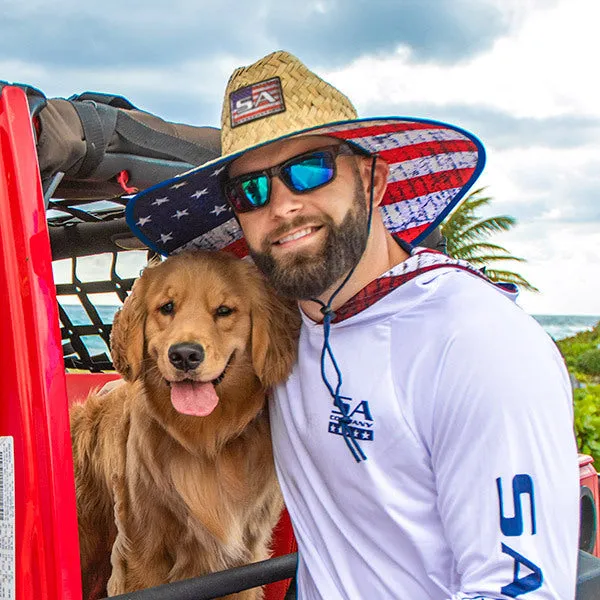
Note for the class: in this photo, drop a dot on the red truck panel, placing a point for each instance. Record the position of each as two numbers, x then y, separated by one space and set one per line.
33 406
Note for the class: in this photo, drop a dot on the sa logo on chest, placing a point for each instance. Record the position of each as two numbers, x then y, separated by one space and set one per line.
361 425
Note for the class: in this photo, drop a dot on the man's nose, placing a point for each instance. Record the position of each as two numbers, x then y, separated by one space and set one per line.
283 201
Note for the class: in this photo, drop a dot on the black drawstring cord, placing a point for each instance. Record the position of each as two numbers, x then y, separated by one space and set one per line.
328 316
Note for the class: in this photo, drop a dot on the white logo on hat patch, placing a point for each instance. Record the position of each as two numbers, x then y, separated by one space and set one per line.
256 101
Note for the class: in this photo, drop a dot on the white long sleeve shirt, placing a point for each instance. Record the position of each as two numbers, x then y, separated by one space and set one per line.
462 405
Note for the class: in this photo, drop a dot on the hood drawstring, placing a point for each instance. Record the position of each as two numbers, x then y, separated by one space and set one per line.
328 316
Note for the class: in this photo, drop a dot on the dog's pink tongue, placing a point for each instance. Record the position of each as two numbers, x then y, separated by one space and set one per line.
194 398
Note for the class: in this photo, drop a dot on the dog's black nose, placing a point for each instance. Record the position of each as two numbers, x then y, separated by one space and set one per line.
186 356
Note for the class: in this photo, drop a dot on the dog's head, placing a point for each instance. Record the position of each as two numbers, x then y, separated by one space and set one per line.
200 321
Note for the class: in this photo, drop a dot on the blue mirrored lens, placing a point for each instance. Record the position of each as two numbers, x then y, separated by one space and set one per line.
311 172
256 190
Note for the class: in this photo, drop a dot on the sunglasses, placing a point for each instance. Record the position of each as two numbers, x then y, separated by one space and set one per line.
303 173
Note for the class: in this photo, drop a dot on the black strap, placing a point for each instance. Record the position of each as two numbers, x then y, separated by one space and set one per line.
101 98
142 135
94 137
134 131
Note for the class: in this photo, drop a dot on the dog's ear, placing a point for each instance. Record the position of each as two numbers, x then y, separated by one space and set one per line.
127 335
275 330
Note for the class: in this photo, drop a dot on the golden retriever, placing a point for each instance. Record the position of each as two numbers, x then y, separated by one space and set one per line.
174 469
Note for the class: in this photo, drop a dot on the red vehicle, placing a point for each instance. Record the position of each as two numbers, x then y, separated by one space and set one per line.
39 549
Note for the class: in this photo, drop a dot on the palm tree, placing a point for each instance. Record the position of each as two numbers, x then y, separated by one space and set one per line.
467 234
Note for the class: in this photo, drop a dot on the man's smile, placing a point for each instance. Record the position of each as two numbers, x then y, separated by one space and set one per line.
296 236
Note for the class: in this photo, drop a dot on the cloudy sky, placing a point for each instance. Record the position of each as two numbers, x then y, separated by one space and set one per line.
520 74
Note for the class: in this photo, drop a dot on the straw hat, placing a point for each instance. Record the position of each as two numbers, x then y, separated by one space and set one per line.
432 164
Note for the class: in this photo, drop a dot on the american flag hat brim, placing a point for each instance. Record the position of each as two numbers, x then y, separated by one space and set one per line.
432 164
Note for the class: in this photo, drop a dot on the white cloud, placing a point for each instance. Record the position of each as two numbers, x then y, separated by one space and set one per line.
564 263
545 68
553 176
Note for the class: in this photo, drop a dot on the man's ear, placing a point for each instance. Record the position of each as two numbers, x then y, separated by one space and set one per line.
127 335
380 181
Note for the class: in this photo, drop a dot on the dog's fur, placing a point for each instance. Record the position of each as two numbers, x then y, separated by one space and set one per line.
162 495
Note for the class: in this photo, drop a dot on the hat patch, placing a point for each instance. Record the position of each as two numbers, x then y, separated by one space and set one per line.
256 101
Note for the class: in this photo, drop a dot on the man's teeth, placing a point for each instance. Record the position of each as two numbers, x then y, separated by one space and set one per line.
296 235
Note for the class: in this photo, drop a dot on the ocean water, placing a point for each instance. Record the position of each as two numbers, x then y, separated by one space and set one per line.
78 316
563 326
557 326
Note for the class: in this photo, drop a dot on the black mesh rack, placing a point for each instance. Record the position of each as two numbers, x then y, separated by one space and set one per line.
92 232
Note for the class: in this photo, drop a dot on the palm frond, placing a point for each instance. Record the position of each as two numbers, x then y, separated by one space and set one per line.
472 202
510 277
484 259
467 238
486 227
482 247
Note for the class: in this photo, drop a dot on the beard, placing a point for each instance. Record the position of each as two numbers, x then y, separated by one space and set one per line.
306 275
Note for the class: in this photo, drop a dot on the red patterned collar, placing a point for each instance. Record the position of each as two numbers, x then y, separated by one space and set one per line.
420 261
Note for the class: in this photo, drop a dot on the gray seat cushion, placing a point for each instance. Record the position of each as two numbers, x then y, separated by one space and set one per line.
588 577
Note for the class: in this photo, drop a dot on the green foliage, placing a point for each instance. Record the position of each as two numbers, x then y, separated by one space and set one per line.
467 239
589 362
582 356
587 421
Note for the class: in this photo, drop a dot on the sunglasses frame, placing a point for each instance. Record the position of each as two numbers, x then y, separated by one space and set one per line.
232 191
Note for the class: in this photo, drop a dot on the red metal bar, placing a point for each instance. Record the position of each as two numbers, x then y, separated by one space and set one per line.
33 400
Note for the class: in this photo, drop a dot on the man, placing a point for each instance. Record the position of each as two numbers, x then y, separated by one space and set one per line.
424 441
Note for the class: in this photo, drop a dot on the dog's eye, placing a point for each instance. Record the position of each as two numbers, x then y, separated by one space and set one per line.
223 311
167 309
